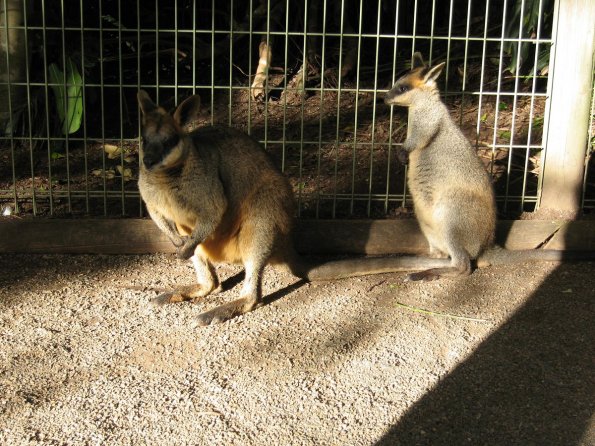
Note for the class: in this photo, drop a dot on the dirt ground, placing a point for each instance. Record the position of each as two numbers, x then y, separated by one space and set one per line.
86 358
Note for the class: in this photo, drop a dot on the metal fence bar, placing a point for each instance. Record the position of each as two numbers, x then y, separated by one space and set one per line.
29 115
12 151
371 170
84 104
355 110
138 86
532 108
329 197
102 99
497 111
429 37
121 103
514 102
274 141
212 62
391 114
251 33
338 120
285 56
243 88
230 103
321 108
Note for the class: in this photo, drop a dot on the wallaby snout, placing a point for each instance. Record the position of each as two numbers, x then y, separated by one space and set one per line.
151 159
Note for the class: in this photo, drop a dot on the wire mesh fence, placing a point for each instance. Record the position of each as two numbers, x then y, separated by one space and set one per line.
306 78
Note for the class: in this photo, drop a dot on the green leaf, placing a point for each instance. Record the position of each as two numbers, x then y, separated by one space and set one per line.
502 106
505 134
57 155
537 122
71 112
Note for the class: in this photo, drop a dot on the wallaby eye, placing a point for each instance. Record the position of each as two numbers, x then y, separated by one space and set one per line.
403 88
171 142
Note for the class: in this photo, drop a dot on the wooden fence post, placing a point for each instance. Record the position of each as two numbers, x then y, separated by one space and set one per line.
568 105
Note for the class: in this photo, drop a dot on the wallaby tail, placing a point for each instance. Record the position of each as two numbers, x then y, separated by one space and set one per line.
363 266
500 256
340 269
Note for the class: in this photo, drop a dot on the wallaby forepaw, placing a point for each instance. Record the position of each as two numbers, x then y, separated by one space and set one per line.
186 251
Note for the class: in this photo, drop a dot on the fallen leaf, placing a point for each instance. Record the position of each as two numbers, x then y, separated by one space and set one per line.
112 151
125 172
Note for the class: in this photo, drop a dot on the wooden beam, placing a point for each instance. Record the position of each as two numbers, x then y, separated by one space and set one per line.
568 106
137 236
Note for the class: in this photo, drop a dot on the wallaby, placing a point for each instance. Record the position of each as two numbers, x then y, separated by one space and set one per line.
452 192
218 197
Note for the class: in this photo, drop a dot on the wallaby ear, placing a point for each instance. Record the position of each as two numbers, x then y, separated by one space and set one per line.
145 102
187 111
434 72
417 61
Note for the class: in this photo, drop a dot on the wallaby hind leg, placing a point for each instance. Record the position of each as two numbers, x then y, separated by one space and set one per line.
250 300
460 266
207 282
256 242
436 253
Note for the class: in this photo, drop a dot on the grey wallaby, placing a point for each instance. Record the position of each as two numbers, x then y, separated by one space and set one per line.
218 197
452 192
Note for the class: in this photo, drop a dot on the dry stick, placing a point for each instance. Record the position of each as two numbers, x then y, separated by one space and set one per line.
434 313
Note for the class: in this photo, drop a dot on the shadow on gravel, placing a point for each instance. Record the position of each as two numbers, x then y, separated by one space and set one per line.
530 382
22 271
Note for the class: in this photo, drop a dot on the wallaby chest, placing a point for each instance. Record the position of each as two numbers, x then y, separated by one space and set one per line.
172 195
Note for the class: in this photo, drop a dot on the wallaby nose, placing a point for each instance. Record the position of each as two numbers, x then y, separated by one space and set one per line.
150 160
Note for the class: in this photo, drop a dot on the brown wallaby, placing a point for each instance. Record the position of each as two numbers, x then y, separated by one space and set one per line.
452 192
218 197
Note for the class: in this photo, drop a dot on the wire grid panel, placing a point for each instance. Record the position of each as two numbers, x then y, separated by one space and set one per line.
71 134
588 198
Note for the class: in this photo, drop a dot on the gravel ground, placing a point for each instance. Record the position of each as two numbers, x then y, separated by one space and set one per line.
85 359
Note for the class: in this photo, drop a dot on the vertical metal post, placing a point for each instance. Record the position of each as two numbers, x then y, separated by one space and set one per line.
10 114
567 108
121 102
321 108
47 108
532 108
371 176
67 128
355 109
83 97
102 99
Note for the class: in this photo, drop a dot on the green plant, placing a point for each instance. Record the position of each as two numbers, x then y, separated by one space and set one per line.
530 12
71 91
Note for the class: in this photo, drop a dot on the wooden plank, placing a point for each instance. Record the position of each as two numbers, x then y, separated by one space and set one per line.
359 236
572 235
94 236
137 236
